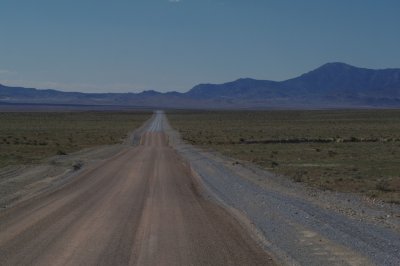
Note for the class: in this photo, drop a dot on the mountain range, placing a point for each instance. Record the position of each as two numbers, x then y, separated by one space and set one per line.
333 85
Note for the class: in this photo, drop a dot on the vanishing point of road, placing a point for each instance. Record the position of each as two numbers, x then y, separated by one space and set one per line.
141 207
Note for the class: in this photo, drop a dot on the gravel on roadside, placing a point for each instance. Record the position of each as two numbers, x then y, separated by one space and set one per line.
300 225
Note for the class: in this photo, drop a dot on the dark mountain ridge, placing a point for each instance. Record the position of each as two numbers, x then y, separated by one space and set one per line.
340 77
331 85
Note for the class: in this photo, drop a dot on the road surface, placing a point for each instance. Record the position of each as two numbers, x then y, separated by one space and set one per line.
141 207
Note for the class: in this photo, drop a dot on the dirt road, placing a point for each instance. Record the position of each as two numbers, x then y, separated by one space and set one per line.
141 207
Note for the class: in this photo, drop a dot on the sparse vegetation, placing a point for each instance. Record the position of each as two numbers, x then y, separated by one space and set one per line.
28 138
350 151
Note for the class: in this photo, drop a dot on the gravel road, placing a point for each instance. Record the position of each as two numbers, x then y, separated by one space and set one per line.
163 202
143 206
298 228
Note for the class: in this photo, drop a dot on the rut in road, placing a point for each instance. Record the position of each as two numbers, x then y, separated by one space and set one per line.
141 207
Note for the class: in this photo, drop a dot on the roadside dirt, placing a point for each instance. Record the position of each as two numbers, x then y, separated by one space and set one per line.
300 226
21 182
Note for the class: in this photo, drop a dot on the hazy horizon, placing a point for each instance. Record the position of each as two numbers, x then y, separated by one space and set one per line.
130 46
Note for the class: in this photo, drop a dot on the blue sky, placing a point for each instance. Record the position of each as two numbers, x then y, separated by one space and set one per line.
132 45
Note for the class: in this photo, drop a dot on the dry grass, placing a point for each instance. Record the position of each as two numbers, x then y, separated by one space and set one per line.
28 138
351 151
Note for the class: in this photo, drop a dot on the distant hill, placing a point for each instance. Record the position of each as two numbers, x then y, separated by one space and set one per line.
241 88
331 85
339 78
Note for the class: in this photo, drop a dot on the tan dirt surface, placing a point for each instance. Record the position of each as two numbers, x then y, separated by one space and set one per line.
141 207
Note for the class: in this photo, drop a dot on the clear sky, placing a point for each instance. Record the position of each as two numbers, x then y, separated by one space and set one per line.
131 45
